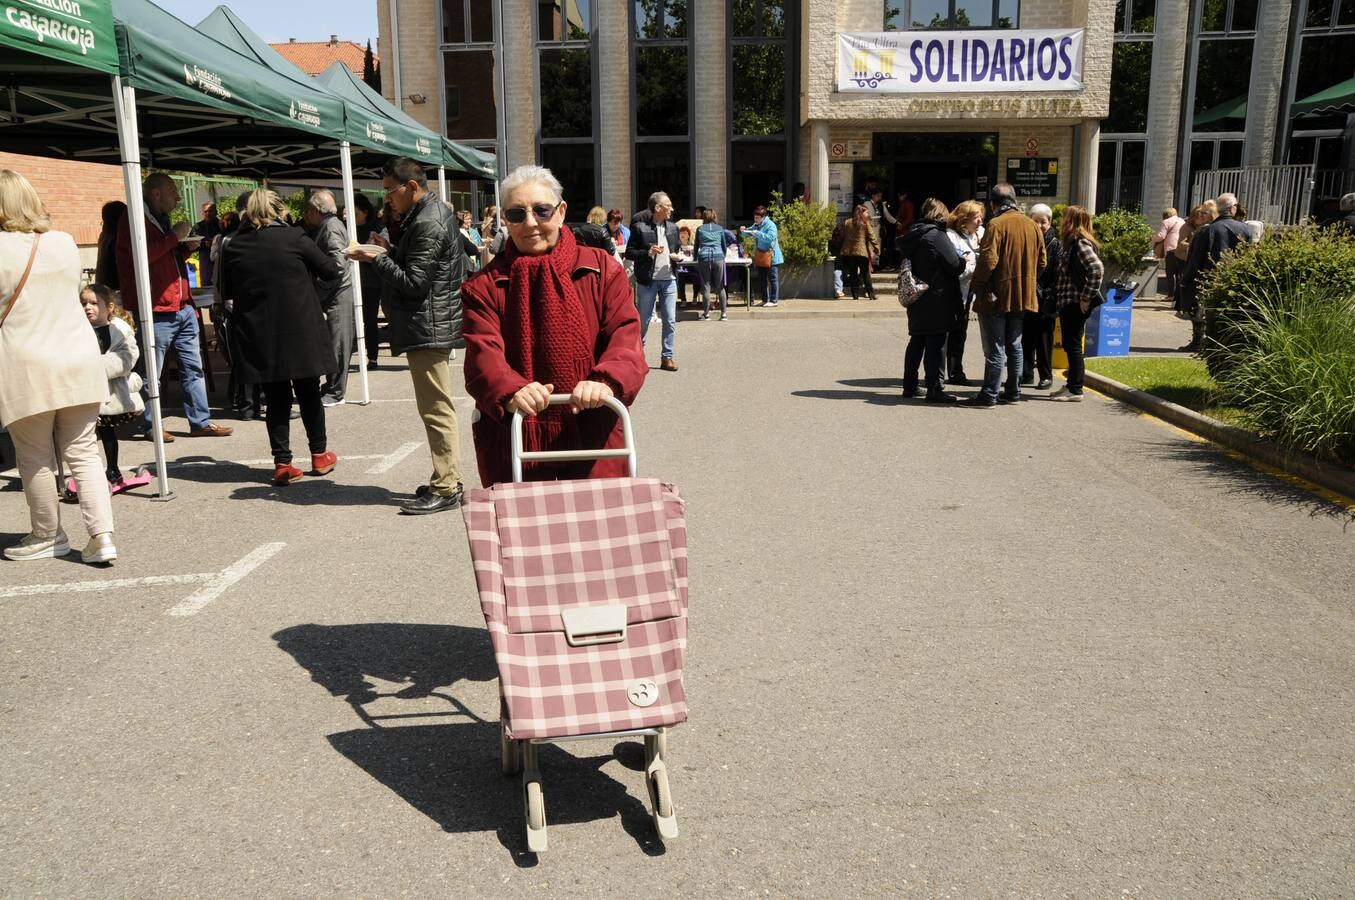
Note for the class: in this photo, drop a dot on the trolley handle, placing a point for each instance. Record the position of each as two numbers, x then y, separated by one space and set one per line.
520 455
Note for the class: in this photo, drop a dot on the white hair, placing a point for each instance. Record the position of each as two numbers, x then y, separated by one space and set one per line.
322 201
531 175
1042 209
1226 202
1348 203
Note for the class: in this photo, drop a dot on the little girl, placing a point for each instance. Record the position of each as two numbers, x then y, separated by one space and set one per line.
117 340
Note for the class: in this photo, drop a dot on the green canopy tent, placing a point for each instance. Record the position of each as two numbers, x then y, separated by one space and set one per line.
372 127
1339 98
110 80
1235 108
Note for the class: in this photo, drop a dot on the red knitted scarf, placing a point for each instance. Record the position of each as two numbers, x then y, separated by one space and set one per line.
545 331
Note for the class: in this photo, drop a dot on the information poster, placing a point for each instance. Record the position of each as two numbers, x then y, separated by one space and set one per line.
1034 176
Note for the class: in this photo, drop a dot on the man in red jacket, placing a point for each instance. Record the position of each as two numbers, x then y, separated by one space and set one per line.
175 318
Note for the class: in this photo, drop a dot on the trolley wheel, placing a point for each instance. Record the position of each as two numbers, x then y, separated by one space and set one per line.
663 795
510 755
535 815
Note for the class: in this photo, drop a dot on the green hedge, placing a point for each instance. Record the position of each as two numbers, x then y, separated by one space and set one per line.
1125 238
1292 367
1271 275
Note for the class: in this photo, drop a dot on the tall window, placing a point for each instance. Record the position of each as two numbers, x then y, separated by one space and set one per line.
662 86
1220 78
1119 170
1326 59
760 119
469 83
565 116
904 15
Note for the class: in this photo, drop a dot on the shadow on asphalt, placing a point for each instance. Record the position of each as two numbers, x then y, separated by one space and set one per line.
256 484
1237 477
894 398
450 772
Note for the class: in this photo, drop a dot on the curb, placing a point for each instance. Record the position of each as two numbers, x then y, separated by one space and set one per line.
1334 478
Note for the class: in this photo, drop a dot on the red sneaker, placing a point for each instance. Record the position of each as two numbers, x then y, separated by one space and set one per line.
285 473
323 463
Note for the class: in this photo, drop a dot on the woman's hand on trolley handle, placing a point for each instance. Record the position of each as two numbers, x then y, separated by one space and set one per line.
531 398
535 397
588 395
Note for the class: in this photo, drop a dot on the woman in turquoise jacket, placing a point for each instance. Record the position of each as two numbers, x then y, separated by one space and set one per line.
765 238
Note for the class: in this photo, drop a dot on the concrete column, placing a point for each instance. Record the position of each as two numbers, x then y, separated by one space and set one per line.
1164 106
710 134
818 161
519 85
613 68
1267 75
1088 154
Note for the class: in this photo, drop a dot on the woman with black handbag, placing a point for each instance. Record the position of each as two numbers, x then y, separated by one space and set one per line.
1077 292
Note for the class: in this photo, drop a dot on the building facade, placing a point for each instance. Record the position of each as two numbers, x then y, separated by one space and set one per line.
720 102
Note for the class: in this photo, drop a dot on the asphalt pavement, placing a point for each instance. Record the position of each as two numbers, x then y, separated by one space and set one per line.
1051 649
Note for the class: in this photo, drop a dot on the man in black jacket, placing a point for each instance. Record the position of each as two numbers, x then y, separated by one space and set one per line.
421 293
1206 249
654 249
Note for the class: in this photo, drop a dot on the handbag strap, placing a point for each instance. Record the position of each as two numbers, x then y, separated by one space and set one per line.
23 279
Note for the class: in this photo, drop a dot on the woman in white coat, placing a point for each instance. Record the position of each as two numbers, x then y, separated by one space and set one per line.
965 230
51 377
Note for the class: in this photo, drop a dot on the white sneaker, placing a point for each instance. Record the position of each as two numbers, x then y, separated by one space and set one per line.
1064 394
31 546
100 549
330 400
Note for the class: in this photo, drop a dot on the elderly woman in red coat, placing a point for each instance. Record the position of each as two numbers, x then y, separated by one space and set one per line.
548 316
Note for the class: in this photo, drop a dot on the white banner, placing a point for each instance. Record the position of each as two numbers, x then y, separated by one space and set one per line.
952 62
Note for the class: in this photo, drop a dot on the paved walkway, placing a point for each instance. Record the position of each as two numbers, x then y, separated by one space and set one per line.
1047 649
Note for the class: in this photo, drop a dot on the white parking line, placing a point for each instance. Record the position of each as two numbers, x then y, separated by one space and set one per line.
394 458
217 582
80 587
223 580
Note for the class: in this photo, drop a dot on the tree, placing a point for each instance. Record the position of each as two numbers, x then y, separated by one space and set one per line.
371 72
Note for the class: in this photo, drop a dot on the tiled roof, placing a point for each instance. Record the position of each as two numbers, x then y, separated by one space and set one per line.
313 57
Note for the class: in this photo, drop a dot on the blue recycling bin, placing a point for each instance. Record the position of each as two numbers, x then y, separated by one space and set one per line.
1108 326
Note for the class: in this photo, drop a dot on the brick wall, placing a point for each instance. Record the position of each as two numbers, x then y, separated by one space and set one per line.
520 89
710 177
613 68
73 192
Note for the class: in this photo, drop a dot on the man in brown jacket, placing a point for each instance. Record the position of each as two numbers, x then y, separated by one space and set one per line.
1011 258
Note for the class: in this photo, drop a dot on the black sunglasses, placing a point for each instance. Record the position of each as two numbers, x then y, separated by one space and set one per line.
516 215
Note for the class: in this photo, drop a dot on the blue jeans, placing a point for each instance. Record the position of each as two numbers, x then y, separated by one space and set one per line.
1001 336
180 331
659 292
769 283
837 280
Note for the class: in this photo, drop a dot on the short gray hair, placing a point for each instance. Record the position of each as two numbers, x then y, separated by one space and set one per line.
1348 203
532 175
1226 202
322 201
655 198
1003 193
1042 209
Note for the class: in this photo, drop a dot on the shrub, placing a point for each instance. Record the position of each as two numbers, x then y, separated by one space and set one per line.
1125 237
804 230
1270 275
1293 368
1056 219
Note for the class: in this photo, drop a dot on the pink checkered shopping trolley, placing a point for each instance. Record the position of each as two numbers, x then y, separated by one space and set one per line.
583 585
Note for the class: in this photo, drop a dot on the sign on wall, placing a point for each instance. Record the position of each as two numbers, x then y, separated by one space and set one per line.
1033 176
950 62
840 186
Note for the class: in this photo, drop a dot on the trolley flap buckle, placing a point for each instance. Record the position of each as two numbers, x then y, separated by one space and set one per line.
589 625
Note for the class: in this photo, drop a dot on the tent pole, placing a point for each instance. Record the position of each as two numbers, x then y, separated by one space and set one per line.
129 147
442 184
351 214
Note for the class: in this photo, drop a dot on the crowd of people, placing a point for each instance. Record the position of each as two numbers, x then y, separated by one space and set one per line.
540 308
542 314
